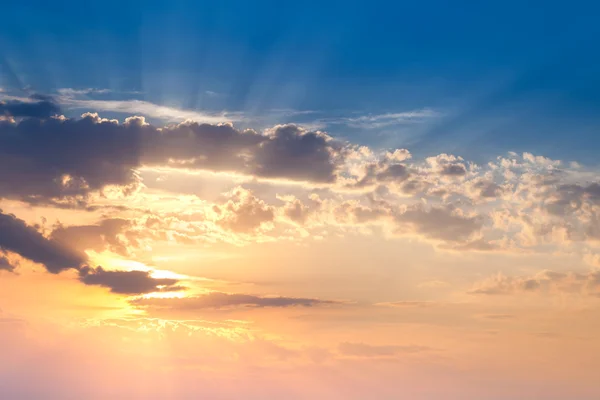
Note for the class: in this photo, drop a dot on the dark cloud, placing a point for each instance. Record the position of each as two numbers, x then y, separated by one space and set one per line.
225 300
18 237
40 107
453 170
384 171
292 153
366 350
127 282
59 157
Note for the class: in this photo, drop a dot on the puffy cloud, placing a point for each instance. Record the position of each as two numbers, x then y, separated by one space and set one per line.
388 168
127 282
444 198
293 153
60 157
225 300
244 212
57 158
453 170
447 165
569 198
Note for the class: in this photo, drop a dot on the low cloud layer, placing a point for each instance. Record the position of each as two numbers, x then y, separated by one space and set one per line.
18 237
225 300
543 282
127 282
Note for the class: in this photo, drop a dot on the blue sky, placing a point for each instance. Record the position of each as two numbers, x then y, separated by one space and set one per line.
481 78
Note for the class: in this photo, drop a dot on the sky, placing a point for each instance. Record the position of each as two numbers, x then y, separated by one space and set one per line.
331 200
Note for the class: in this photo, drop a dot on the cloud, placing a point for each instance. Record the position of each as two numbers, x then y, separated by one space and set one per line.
127 282
5 264
439 223
244 212
107 234
61 157
294 153
18 237
376 121
140 107
453 170
37 106
368 351
542 282
225 300
447 165
57 158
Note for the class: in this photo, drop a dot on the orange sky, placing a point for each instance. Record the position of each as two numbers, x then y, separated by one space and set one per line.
349 273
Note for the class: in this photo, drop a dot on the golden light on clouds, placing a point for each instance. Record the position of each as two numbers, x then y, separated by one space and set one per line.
163 259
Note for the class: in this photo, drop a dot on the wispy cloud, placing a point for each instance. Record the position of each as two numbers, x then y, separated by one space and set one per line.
376 121
148 109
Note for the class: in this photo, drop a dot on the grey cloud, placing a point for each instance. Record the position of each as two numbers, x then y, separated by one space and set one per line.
383 172
40 107
570 197
18 237
225 300
127 282
453 170
57 158
60 157
289 152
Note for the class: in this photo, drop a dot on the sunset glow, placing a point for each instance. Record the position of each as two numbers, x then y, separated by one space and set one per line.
246 200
